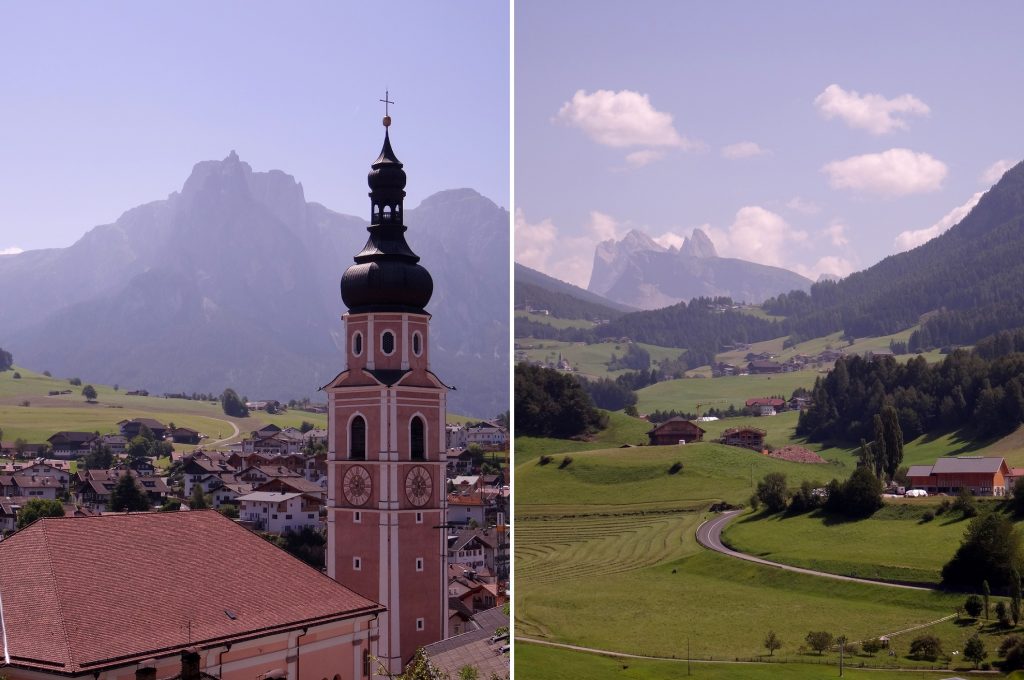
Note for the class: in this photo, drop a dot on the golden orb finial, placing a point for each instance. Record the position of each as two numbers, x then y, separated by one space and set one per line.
387 121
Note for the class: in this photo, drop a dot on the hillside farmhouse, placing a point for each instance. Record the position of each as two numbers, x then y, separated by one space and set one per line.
983 476
676 430
747 437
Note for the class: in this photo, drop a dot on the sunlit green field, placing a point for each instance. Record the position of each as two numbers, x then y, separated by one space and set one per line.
536 661
684 394
554 320
589 360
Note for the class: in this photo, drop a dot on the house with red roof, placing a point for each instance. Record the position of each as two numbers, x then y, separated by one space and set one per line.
163 598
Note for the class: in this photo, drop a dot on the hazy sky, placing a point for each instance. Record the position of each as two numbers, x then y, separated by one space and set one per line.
107 105
817 136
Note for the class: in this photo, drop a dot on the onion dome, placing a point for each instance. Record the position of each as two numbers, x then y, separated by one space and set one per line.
387 276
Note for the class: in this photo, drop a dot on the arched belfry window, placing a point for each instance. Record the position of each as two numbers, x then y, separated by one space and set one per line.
357 439
418 439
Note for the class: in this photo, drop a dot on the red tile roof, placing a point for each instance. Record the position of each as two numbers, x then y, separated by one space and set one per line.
111 590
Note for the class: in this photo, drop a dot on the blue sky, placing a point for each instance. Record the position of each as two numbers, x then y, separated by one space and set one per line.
107 105
817 136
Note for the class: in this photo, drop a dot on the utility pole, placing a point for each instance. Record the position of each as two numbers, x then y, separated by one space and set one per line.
687 656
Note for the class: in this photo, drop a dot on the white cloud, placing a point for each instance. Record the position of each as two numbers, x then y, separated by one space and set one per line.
871 112
906 240
837 234
569 258
670 239
830 264
803 206
896 172
14 250
621 119
640 158
756 234
995 171
742 150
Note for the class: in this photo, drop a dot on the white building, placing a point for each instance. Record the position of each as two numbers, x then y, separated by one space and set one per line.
277 513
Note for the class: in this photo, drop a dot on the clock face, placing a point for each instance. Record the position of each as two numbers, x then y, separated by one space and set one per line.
357 485
418 486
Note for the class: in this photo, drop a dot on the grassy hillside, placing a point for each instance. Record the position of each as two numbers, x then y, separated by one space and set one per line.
894 544
48 414
686 393
554 320
621 430
589 360
606 558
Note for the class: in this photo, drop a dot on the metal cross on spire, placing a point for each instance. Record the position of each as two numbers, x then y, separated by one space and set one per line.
387 101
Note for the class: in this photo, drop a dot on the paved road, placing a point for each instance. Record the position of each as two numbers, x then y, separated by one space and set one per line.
709 535
233 434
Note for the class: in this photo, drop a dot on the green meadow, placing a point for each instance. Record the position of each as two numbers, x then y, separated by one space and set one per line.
589 360
684 394
567 664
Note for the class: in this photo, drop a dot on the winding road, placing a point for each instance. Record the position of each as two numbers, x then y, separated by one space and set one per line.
709 535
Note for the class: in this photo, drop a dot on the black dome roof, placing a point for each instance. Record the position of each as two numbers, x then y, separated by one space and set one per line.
387 276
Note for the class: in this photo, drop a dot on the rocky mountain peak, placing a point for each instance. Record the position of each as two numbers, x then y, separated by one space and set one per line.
698 245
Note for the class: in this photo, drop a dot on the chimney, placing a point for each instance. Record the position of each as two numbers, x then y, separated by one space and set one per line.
146 670
190 664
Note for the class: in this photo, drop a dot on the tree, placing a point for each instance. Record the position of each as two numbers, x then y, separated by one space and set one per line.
419 668
20 447
127 496
1015 597
170 505
974 650
819 641
198 499
306 426
75 381
232 404
772 642
138 448
1003 614
973 606
6 360
872 646
772 492
1018 497
893 440
39 507
100 458
861 493
986 593
926 647
468 672
965 503
551 404
990 551
89 392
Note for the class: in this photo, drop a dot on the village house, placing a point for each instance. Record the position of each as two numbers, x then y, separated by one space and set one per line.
675 431
198 468
481 643
765 406
94 487
294 485
36 486
185 435
466 507
761 366
117 443
172 605
261 474
131 428
982 476
228 493
489 436
16 449
67 444
455 436
61 469
747 437
474 548
277 513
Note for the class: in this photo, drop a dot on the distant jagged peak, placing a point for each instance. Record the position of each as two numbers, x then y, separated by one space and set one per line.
698 245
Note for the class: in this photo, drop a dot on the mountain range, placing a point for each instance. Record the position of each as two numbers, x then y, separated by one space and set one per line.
640 272
233 281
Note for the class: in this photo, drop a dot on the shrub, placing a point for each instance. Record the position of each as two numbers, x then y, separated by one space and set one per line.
1003 614
973 606
47 374
77 382
873 646
676 467
566 462
543 460
16 376
928 516
926 647
1008 643
965 503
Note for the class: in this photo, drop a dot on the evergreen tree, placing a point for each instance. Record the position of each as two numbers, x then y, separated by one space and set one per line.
198 499
232 404
127 496
893 441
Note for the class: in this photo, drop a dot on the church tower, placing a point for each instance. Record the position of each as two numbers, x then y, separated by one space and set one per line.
386 455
